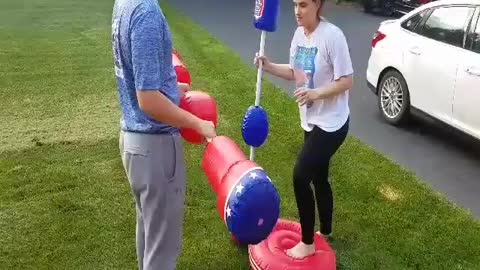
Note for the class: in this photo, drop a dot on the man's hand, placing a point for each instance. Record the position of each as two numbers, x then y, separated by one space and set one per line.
206 129
183 87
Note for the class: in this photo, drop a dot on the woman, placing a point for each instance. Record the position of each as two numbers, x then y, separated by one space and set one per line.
318 51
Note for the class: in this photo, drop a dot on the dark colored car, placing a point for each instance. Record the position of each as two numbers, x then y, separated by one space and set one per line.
385 7
402 7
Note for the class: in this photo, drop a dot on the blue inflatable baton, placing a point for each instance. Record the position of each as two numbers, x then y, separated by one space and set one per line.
266 16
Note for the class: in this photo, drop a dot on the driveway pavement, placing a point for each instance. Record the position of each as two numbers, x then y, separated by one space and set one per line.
449 167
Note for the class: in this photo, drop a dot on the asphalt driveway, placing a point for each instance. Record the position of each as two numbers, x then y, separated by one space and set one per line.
429 151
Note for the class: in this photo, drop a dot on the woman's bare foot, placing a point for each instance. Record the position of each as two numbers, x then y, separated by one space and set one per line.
325 236
301 250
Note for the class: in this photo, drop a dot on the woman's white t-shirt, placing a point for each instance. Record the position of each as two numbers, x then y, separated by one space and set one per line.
325 57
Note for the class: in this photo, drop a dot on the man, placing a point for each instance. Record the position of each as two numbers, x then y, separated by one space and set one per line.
150 144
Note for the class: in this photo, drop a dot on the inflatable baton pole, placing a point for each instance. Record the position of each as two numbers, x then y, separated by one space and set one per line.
265 19
258 94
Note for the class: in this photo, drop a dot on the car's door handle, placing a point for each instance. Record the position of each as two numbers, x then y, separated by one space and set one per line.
473 70
415 50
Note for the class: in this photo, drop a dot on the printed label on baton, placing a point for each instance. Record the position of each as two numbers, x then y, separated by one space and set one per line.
259 8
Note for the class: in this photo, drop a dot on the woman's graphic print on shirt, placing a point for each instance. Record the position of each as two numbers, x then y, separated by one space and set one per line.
304 67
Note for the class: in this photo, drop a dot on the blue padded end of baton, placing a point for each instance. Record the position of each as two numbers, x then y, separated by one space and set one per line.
266 15
255 126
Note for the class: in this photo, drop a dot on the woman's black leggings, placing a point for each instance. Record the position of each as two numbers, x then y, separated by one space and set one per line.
313 166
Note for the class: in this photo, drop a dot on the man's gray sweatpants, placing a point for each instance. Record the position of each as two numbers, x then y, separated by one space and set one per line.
155 168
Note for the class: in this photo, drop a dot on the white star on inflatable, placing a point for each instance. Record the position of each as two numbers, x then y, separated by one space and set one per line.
253 175
239 188
260 222
229 212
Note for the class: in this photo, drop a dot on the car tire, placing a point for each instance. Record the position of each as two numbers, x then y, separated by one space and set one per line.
393 98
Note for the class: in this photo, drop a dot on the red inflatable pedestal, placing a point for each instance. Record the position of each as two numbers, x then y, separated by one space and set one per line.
270 254
183 75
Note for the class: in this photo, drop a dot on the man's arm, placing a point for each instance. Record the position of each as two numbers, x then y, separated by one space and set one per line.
160 108
147 36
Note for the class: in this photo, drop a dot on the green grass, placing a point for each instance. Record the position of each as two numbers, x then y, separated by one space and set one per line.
64 199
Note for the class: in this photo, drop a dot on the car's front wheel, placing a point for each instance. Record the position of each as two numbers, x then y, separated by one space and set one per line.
394 98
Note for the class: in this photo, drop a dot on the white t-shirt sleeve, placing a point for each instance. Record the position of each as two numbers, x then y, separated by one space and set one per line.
339 54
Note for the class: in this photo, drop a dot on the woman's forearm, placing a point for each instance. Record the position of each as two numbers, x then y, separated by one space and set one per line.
280 70
336 87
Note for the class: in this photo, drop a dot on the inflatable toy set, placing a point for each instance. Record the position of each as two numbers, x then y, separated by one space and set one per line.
248 202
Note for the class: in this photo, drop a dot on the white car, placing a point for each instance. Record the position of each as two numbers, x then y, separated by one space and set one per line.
428 61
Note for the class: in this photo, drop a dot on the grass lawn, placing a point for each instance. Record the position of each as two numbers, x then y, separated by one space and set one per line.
64 199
